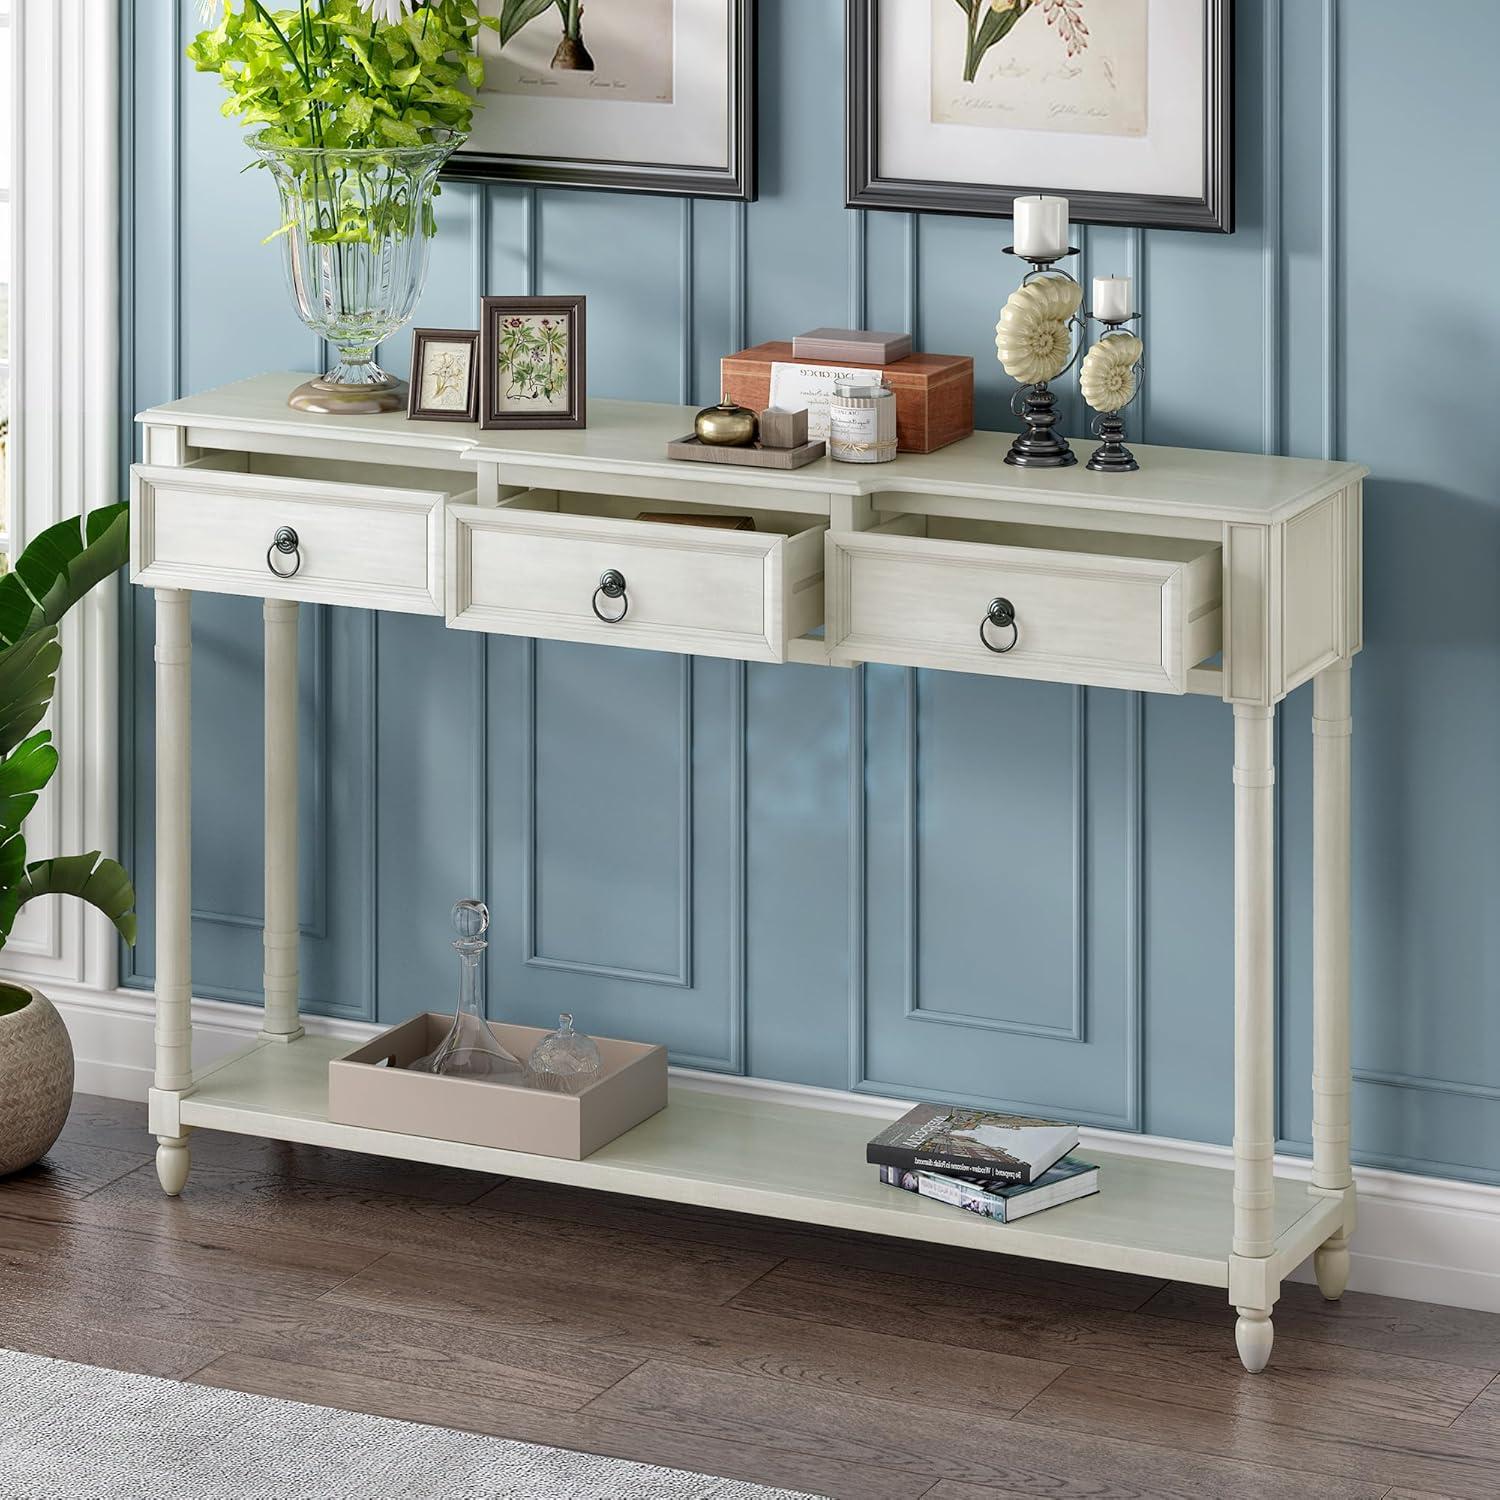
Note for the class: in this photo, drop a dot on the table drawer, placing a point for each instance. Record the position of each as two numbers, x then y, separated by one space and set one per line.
537 565
375 544
1104 609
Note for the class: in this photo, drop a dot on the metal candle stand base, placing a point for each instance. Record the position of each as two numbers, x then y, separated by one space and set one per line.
1111 456
1038 446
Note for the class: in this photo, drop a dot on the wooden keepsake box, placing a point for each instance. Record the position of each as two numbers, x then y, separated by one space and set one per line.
934 392
374 1087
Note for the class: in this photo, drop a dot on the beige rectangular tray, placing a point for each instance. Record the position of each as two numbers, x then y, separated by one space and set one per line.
631 1087
756 458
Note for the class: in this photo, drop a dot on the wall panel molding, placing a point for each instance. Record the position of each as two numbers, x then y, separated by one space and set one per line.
1131 1114
1075 1028
532 956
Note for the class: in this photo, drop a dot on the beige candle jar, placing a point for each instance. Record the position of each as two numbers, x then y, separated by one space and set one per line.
862 422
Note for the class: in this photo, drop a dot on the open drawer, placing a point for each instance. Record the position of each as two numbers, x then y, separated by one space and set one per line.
578 567
293 528
1014 600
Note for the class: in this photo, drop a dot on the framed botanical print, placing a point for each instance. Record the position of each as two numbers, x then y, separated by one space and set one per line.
532 362
1122 106
444 375
651 96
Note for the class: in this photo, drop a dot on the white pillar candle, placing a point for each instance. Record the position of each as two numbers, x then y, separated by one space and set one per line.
1041 227
1112 298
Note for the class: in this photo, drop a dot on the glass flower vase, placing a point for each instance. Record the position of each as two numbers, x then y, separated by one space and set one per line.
470 1049
356 226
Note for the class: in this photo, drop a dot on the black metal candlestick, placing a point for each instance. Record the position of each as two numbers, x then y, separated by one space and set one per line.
1038 445
1112 456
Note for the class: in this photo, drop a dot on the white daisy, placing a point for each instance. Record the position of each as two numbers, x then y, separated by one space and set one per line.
390 11
208 11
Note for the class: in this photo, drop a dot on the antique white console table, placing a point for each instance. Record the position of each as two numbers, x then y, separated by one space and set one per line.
1225 574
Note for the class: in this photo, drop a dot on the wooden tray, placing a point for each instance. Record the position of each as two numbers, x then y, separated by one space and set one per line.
753 458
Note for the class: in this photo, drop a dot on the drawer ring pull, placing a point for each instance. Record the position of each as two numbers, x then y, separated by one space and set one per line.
1000 614
612 586
285 542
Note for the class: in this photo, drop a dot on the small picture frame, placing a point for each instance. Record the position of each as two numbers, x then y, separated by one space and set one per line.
444 375
532 363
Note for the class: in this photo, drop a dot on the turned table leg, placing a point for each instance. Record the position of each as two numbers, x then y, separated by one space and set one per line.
174 970
1333 726
1253 1285
282 935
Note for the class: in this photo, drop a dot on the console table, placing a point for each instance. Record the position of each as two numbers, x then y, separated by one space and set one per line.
1226 574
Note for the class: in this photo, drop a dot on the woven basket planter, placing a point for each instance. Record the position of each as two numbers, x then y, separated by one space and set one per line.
36 1079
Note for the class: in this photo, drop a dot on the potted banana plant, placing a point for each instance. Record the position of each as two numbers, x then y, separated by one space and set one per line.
36 1058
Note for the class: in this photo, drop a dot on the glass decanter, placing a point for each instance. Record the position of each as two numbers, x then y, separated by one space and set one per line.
564 1061
470 1049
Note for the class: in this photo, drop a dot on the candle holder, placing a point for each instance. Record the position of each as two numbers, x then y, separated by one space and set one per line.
1037 445
1112 456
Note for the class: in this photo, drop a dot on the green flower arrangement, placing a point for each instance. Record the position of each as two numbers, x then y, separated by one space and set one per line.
347 74
339 76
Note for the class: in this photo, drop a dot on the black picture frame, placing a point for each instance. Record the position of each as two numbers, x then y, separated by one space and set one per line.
737 181
492 310
1212 211
420 339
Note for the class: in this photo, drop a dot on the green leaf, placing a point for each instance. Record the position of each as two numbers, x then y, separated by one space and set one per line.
59 567
474 67
28 675
518 13
23 773
101 882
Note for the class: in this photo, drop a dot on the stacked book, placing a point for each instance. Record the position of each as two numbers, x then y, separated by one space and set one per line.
1001 1166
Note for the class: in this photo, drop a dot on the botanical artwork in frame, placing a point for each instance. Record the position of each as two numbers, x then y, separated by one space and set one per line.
532 363
444 375
1122 106
652 96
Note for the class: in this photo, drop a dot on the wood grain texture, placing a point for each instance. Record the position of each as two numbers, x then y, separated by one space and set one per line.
68 1172
1311 1384
731 1457
456 1233
639 1326
1483 1415
980 1450
938 1263
828 1362
1361 1320
1452 1463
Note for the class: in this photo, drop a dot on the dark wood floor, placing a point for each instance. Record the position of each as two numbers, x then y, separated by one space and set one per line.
839 1364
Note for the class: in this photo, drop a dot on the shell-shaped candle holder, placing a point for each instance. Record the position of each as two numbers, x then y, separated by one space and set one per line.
1034 337
1109 380
1034 342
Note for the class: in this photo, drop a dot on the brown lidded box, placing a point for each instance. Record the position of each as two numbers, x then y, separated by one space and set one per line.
934 392
631 1087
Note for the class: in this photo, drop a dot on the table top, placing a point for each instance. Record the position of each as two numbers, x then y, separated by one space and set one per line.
631 436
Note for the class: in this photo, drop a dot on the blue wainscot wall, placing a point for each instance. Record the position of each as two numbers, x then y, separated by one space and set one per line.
887 880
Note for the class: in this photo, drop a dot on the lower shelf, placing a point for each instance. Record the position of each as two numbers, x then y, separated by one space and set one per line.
1151 1217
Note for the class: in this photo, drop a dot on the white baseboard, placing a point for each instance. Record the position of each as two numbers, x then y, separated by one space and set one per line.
1420 1237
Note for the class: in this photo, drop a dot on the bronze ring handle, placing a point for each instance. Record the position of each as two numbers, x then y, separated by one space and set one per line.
1000 614
285 541
612 586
